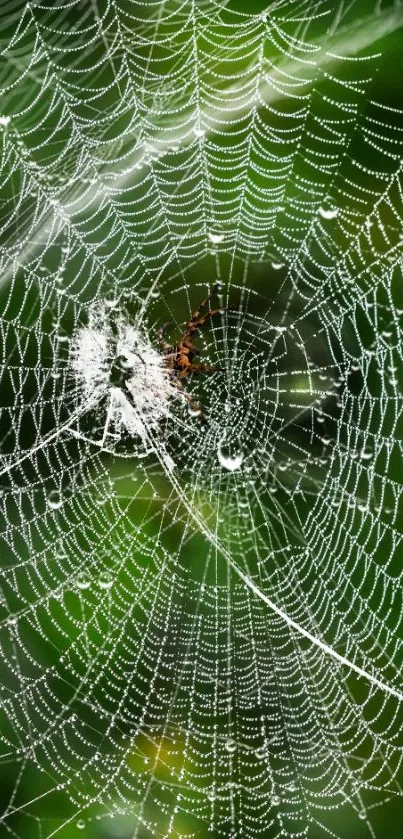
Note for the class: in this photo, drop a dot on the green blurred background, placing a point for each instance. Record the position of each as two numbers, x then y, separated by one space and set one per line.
55 815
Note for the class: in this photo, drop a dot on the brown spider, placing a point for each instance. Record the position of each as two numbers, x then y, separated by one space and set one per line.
179 357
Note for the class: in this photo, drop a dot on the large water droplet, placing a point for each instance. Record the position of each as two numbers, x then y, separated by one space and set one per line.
105 580
55 499
228 460
83 580
230 745
328 212
216 238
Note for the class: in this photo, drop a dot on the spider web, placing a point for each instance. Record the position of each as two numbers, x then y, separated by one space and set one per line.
201 623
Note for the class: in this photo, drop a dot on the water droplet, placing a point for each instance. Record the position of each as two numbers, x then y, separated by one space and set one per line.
275 800
211 795
198 131
5 121
277 265
123 362
83 580
80 824
216 237
328 212
362 815
261 752
55 499
366 454
229 461
263 16
105 580
230 745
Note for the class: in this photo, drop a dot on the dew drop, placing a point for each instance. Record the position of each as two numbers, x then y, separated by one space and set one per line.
198 131
105 580
229 461
230 745
5 121
83 580
216 238
275 800
328 212
277 265
110 302
362 815
80 824
55 499
366 454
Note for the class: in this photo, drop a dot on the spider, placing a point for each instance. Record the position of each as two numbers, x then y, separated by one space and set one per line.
179 357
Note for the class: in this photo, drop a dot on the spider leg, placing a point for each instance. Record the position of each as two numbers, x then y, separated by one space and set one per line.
194 325
196 315
160 335
203 368
193 405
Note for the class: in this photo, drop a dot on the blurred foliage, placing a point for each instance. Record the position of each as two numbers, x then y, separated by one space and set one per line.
149 755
